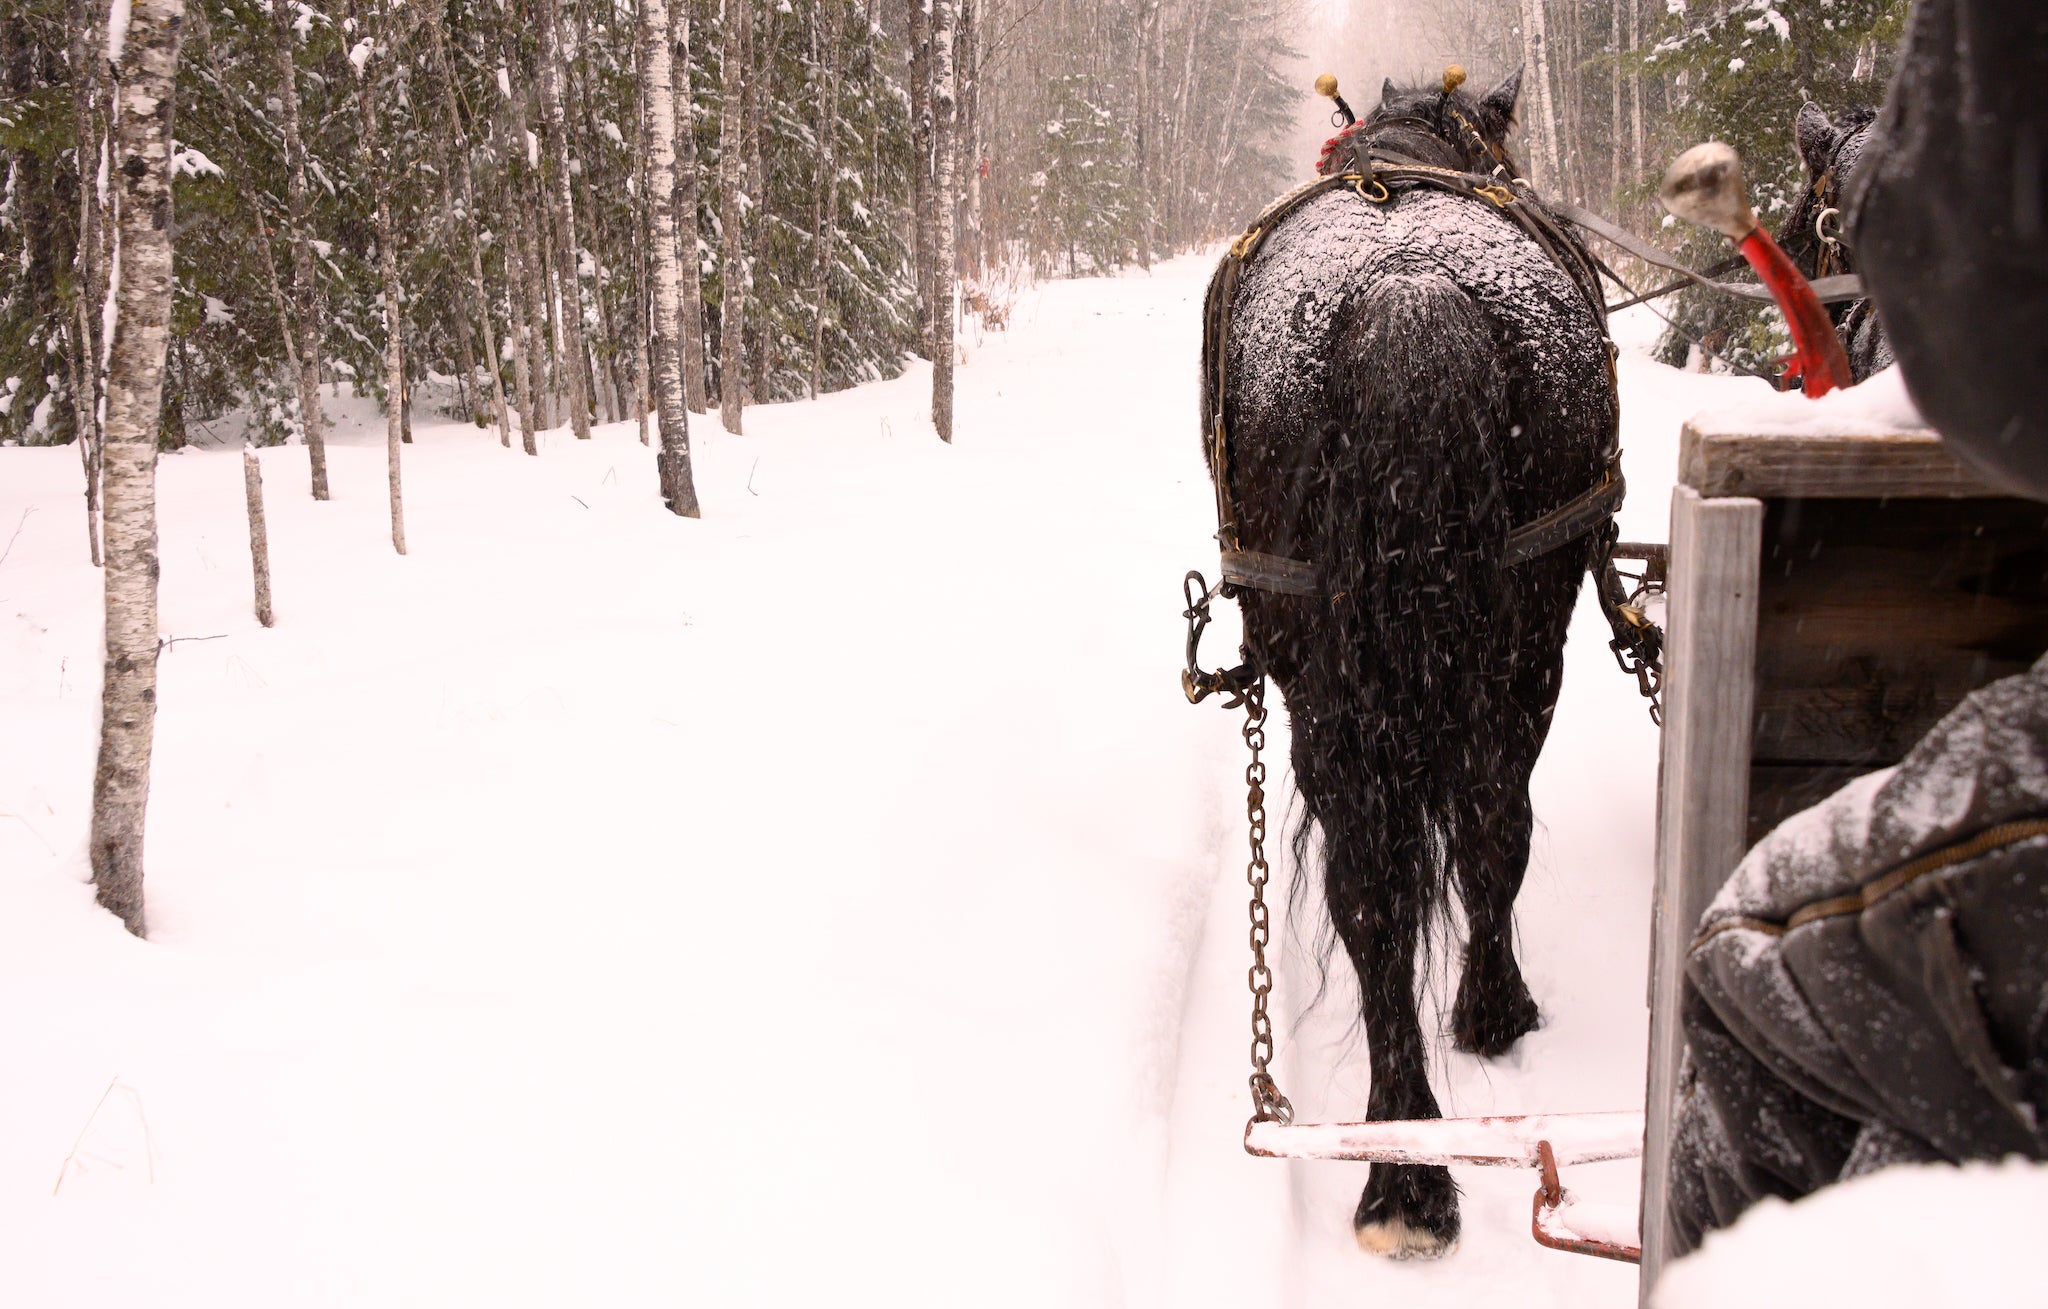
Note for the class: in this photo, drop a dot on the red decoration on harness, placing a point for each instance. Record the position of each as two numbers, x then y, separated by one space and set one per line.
1330 148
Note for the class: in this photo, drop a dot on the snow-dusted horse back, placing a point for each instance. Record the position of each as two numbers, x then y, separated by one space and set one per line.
1406 367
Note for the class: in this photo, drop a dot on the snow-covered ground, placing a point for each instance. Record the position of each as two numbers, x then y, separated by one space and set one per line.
829 901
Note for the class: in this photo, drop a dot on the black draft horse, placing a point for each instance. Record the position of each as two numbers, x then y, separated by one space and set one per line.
1811 234
1408 381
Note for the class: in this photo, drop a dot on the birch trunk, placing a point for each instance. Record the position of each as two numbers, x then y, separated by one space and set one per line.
1575 182
678 487
147 69
547 320
642 321
1182 151
394 301
1635 95
973 243
259 537
689 261
921 164
732 275
520 323
601 379
827 191
1147 11
1614 107
527 285
467 293
764 41
305 288
88 278
945 106
563 211
1536 54
515 265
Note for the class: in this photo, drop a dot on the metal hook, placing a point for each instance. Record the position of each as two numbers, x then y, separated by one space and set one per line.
1820 227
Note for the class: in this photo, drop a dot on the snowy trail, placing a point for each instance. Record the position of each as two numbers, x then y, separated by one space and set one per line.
831 899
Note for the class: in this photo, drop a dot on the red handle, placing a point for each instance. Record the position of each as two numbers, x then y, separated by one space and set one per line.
1823 364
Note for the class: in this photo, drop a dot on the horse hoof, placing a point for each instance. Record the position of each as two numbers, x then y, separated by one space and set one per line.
1490 1027
1407 1211
1394 1239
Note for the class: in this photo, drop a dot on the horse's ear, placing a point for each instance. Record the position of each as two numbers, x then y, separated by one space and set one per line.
1388 92
1816 136
1498 104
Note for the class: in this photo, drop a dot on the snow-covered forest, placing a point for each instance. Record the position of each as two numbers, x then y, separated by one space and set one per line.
501 153
511 143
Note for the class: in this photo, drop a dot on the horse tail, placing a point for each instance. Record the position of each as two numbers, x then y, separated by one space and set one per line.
1415 452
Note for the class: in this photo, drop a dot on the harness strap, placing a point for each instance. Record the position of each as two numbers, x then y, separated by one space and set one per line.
1571 520
1272 573
1843 286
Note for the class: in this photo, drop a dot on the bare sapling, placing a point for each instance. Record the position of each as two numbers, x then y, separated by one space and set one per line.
259 537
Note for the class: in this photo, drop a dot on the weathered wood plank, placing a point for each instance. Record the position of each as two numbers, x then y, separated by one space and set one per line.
1869 725
1710 653
1901 464
1876 617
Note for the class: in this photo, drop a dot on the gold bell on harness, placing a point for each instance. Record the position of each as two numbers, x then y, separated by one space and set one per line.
1326 85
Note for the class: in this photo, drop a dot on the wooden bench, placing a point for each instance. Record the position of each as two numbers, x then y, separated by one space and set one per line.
1830 598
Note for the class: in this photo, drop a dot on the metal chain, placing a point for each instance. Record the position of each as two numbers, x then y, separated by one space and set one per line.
1268 1105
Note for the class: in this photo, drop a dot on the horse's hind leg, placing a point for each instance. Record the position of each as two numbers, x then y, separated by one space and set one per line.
1489 849
1374 888
1491 852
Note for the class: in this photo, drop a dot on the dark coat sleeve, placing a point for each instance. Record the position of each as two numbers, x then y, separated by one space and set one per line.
1949 220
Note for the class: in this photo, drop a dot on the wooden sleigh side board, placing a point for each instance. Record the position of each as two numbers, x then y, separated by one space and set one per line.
1831 598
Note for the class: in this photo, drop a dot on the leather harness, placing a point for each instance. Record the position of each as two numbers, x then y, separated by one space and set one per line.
1376 178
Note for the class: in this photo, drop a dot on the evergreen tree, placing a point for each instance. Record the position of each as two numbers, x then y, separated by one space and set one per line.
1742 71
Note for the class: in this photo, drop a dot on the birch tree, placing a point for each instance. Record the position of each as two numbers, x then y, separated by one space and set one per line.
731 221
945 111
522 271
305 290
764 40
525 382
1536 53
377 166
688 237
1635 92
1147 13
828 186
88 268
643 231
678 488
146 57
921 193
563 214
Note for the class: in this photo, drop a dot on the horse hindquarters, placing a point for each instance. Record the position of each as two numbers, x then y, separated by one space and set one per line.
1396 708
